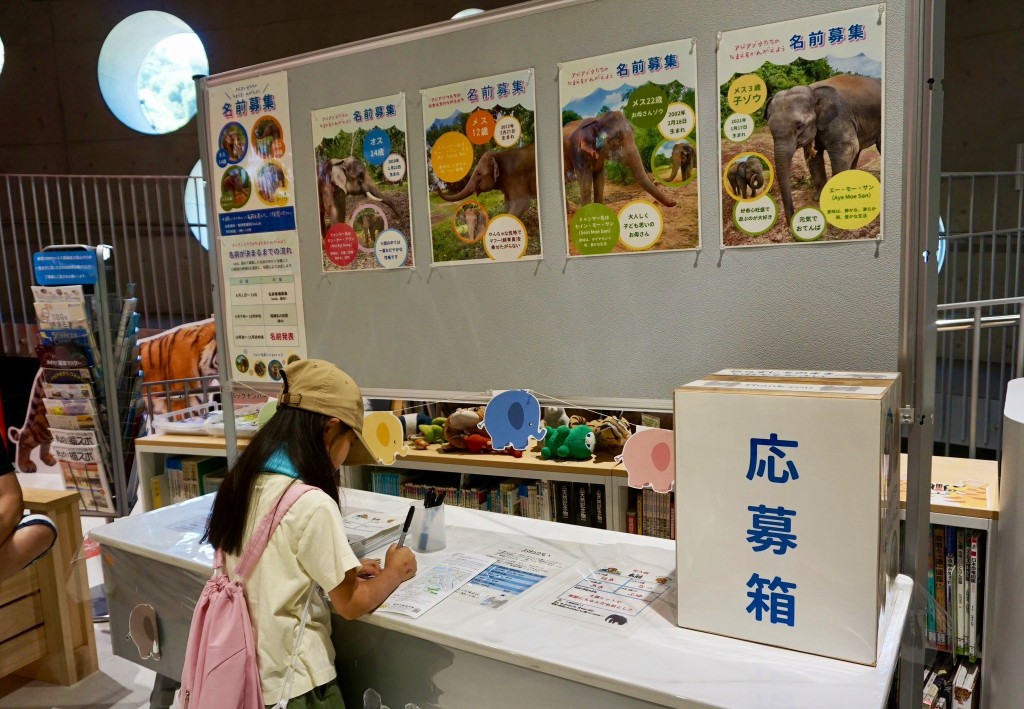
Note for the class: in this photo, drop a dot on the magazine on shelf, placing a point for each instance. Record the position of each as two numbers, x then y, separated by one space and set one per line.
70 354
59 315
67 376
90 481
69 407
84 422
68 391
58 294
74 438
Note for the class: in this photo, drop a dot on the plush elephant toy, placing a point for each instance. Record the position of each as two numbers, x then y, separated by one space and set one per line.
514 172
575 443
746 176
343 178
589 143
684 158
840 116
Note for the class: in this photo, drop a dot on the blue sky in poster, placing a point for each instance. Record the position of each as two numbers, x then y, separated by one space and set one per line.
590 105
860 64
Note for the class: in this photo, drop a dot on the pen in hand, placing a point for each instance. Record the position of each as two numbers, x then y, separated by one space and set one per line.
408 523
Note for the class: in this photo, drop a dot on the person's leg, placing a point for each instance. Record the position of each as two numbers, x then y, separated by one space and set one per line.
31 539
12 505
162 696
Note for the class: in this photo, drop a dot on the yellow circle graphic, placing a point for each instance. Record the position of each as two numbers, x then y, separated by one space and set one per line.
747 93
851 199
383 435
451 158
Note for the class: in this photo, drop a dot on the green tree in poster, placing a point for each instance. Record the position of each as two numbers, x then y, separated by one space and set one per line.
568 116
779 77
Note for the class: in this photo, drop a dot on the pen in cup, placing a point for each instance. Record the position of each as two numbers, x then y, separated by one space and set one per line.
408 523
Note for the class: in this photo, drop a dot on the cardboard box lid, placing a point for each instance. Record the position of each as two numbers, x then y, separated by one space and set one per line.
808 374
739 386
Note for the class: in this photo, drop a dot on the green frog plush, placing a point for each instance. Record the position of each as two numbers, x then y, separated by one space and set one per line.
575 443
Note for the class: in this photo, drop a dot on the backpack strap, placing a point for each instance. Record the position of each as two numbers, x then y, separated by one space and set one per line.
261 537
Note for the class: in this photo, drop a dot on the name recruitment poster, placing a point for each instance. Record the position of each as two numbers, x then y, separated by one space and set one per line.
362 173
801 112
629 150
251 181
482 170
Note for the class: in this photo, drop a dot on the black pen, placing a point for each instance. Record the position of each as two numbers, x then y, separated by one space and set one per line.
408 523
440 498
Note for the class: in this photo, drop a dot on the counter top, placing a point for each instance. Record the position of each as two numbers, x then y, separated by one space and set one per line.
649 658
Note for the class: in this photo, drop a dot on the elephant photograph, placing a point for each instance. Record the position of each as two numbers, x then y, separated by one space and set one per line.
353 190
502 180
608 160
821 117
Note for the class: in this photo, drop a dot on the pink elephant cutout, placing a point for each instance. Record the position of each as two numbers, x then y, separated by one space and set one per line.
649 457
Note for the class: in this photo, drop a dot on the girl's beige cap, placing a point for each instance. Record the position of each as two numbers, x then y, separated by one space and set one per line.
318 386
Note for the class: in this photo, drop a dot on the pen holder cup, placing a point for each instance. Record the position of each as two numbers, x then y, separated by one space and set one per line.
427 531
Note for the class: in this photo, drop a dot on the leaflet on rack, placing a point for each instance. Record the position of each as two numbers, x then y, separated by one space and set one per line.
431 586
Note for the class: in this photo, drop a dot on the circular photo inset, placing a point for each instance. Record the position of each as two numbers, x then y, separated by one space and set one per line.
268 138
470 222
242 363
260 369
235 188
368 221
748 176
271 184
234 142
274 370
293 358
674 163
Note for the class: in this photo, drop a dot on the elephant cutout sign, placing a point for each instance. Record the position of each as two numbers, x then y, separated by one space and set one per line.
384 435
649 457
513 418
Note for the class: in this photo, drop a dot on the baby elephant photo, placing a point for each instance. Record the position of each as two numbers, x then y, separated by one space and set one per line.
746 177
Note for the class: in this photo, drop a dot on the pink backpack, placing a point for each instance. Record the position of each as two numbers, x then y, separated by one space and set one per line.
221 667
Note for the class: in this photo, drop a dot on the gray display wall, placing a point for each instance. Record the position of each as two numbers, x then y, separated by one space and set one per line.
626 327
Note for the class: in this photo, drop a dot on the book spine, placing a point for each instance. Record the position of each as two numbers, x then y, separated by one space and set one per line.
598 506
157 485
672 516
972 633
564 501
939 558
582 510
961 616
951 587
931 597
640 496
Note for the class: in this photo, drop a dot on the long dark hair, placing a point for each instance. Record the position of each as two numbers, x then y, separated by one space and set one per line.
302 435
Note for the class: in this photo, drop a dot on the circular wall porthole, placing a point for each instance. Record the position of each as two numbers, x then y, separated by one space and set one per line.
145 71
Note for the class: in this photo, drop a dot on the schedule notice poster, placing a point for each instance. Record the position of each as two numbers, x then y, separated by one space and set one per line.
252 182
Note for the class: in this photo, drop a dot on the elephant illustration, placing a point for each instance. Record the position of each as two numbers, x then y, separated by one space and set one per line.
684 158
841 116
476 222
588 143
343 178
744 175
371 224
514 172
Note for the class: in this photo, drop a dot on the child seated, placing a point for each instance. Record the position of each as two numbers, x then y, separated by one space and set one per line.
24 539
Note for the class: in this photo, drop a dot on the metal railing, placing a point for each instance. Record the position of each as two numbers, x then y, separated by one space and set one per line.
980 292
142 217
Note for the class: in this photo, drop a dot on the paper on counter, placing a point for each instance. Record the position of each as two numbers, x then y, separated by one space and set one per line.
517 568
425 590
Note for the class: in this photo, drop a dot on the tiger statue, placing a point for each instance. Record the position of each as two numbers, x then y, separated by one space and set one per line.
184 352
35 432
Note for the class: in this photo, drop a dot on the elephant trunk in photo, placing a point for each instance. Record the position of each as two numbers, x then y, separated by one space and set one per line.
631 159
373 190
783 171
468 191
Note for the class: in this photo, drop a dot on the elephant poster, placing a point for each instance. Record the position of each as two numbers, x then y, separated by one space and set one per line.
362 172
482 170
629 150
812 86
251 184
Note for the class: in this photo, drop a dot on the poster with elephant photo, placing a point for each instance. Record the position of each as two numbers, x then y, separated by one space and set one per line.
801 115
362 173
482 170
629 150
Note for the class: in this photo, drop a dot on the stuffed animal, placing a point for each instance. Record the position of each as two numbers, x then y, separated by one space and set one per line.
554 416
575 443
611 433
462 423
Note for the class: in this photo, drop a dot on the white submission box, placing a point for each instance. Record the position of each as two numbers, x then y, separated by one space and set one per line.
787 512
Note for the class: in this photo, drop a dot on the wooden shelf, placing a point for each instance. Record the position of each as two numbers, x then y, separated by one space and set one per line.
172 443
979 496
433 458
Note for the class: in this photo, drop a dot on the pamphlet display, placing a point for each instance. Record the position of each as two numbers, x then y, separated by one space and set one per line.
363 180
482 169
775 474
252 185
629 150
792 94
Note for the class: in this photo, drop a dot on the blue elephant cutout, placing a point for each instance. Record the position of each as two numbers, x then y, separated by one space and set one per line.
512 418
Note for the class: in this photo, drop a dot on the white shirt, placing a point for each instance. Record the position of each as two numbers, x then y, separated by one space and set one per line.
309 546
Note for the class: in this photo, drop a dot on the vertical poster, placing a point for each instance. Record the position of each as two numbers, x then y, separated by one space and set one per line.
801 140
482 170
252 184
362 173
629 150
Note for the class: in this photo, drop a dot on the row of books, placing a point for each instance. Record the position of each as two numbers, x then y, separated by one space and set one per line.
71 376
949 684
955 585
186 477
651 513
551 500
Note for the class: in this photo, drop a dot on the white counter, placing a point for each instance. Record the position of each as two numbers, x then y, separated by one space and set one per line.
649 659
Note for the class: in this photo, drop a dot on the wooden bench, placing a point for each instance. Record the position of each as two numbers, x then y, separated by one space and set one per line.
46 628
